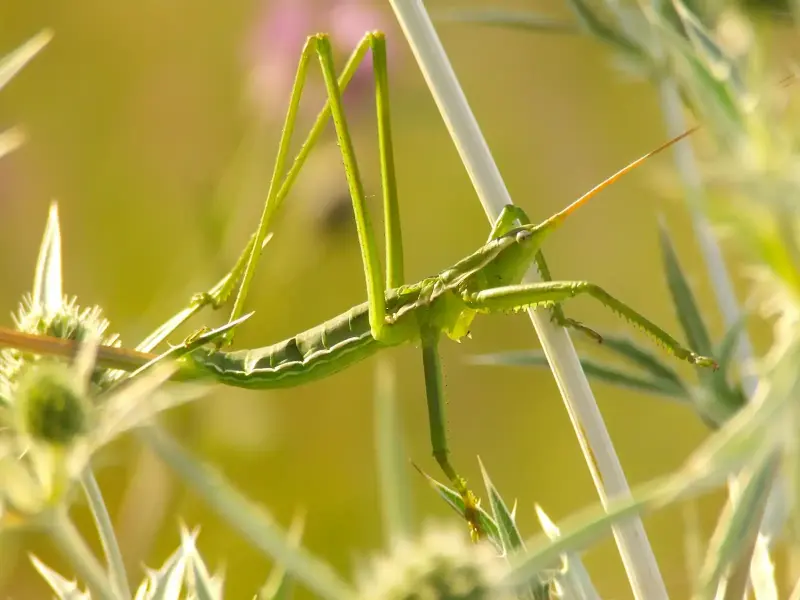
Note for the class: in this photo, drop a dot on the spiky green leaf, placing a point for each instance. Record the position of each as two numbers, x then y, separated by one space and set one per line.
63 588
454 500
738 527
506 526
48 294
574 578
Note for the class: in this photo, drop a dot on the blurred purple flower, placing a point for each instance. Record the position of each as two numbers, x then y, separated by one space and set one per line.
275 43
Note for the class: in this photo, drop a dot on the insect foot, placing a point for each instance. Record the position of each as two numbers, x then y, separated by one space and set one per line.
703 361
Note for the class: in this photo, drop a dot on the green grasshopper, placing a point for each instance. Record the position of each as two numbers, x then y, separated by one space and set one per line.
487 281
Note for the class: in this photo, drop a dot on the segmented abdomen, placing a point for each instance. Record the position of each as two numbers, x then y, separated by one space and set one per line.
312 354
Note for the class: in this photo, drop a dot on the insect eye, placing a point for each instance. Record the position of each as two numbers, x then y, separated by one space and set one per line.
523 236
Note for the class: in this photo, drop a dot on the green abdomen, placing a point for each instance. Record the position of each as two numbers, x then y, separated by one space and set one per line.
310 355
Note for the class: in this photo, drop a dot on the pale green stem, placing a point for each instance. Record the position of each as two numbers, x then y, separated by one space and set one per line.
69 541
395 491
595 442
106 531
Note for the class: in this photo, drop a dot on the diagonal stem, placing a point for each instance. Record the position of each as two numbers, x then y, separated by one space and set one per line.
595 442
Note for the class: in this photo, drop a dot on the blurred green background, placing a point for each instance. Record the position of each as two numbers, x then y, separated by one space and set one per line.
145 123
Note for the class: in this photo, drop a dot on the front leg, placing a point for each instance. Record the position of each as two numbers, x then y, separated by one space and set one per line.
531 295
557 315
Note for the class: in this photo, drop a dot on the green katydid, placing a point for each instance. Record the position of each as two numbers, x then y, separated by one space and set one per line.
486 281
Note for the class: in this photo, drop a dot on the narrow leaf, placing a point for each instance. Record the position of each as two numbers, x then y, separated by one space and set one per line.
598 28
510 536
706 47
727 347
574 579
105 530
525 20
507 528
454 500
600 371
12 63
682 297
280 585
644 359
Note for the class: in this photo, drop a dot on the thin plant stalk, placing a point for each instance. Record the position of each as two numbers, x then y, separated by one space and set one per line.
69 541
595 442
105 529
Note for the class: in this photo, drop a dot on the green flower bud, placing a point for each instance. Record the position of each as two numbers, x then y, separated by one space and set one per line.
49 406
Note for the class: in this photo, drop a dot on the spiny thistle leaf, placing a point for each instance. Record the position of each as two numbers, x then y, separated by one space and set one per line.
63 588
509 534
47 293
573 579
454 500
201 584
280 585
737 528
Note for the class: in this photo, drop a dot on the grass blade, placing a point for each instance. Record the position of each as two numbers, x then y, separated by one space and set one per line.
643 358
525 20
597 370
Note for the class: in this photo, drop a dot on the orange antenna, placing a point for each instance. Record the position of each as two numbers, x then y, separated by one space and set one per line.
559 216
